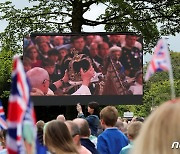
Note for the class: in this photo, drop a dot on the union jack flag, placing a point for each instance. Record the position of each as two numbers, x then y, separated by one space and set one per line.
160 60
3 124
21 118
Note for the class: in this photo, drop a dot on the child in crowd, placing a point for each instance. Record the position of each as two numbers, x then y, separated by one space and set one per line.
132 132
112 140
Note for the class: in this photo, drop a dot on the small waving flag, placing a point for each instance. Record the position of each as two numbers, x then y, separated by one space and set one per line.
3 124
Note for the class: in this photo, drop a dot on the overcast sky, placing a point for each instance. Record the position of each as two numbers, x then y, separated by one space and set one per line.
173 41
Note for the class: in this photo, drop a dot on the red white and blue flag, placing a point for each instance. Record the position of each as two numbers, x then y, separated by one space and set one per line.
160 60
21 118
3 124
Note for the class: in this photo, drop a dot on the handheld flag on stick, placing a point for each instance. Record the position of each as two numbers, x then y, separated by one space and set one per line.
161 62
3 124
21 132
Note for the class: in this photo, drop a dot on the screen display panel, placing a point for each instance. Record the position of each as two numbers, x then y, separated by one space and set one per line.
66 68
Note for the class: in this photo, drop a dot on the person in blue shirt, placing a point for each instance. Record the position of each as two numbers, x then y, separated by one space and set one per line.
112 140
132 132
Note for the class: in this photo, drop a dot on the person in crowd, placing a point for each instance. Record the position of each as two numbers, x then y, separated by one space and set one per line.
93 50
137 87
40 126
61 118
49 66
62 54
160 130
114 40
43 45
33 54
132 132
131 57
58 41
112 140
39 80
93 118
58 139
88 40
27 64
75 133
103 49
53 55
79 44
114 57
119 124
52 69
85 134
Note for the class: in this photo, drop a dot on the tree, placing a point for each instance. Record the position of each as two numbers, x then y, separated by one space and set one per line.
65 16
5 72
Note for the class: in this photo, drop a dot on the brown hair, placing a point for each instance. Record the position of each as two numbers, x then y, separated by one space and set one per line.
109 115
57 137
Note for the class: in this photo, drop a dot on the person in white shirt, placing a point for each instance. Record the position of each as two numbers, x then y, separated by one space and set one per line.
39 80
137 87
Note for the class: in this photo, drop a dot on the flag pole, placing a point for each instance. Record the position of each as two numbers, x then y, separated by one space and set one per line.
172 85
171 79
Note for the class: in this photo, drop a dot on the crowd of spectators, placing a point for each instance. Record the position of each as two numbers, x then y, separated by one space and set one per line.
157 134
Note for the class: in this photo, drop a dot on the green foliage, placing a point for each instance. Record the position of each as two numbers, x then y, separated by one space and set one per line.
5 72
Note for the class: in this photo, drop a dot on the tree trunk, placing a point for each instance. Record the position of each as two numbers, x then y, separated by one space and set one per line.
77 16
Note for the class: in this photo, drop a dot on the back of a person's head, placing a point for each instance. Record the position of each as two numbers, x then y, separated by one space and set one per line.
109 115
61 118
95 106
160 130
134 129
119 124
58 138
83 127
40 127
141 119
72 127
40 124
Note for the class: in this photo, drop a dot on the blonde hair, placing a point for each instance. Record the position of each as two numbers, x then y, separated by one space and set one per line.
134 129
160 130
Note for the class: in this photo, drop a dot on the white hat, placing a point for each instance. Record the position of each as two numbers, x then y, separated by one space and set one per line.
114 48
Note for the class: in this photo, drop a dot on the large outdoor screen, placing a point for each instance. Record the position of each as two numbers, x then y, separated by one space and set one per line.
64 69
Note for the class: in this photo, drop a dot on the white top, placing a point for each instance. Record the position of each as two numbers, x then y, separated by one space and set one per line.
83 90
136 89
